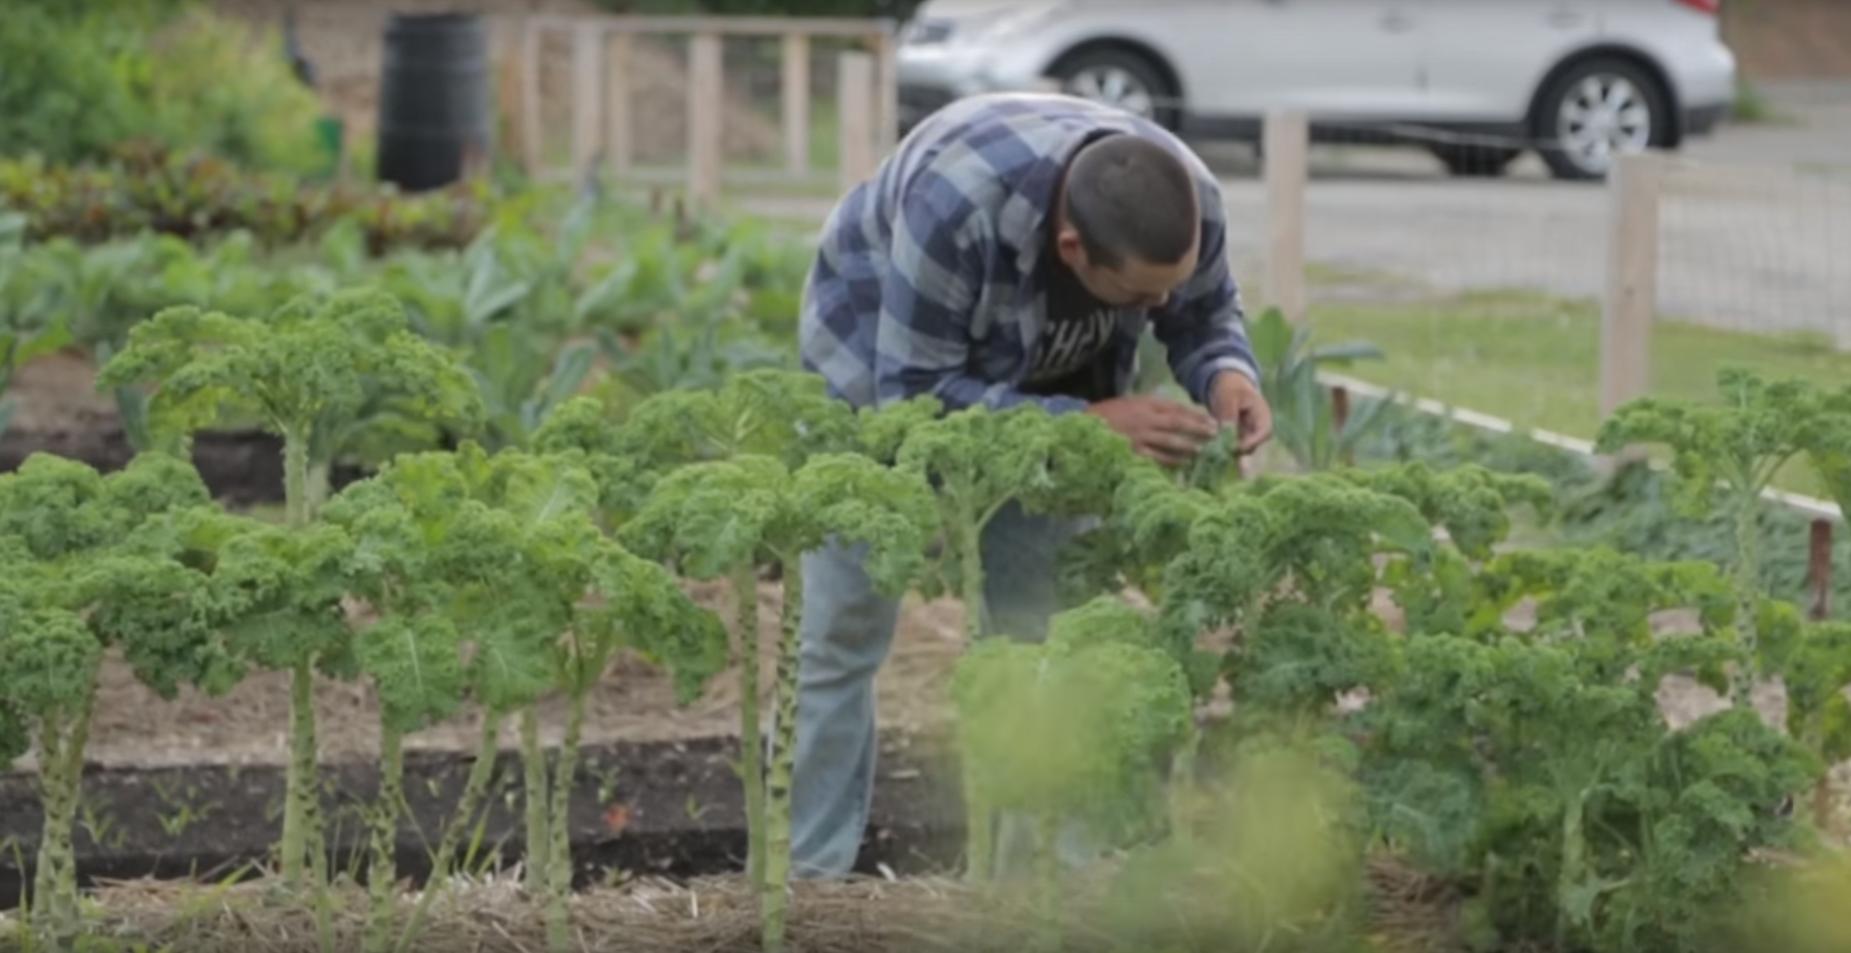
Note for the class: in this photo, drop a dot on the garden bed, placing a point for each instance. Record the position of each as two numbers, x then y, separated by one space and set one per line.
656 808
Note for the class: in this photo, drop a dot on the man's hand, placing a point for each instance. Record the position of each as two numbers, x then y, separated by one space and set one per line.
1167 432
1237 400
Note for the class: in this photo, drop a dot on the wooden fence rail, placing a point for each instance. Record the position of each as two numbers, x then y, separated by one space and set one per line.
602 119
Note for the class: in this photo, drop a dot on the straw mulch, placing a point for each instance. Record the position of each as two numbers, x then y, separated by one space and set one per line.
714 915
710 915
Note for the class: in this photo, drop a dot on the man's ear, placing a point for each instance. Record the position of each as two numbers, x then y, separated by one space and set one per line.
1067 243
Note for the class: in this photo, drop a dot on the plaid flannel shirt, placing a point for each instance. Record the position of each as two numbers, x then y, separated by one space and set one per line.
927 279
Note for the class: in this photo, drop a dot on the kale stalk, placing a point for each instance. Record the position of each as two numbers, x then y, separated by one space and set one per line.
296 370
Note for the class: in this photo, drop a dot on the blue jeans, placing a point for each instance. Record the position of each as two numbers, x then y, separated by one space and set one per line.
847 633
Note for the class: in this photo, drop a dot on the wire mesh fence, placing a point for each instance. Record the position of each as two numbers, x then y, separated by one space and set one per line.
1757 248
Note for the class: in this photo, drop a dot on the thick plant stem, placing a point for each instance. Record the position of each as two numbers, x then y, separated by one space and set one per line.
774 890
316 487
1573 864
61 784
301 809
301 797
970 564
751 744
559 868
383 876
539 841
303 701
60 812
1747 599
474 790
296 494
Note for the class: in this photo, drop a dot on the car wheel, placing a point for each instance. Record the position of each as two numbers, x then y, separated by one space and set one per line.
1597 110
1474 161
1119 78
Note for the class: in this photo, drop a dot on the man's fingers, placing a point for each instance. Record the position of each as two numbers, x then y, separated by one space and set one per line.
1173 442
1186 419
1256 427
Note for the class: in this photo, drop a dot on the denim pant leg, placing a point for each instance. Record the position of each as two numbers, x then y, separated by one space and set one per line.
847 633
1019 564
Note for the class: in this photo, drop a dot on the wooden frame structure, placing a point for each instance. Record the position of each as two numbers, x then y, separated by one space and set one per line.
602 126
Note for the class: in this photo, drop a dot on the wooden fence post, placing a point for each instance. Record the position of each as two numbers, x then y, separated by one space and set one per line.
855 104
887 86
510 119
1632 279
619 111
706 131
796 90
533 150
1819 570
1287 143
587 101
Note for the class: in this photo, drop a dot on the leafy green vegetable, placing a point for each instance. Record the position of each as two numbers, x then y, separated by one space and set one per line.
728 518
75 581
1742 441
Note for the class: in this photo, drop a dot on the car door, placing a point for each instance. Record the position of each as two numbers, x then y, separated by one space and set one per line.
1483 59
1330 58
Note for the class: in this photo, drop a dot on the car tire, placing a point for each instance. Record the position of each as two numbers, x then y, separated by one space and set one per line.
1468 161
1594 107
1122 78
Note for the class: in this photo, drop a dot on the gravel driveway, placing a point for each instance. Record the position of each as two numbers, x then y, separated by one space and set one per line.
1756 223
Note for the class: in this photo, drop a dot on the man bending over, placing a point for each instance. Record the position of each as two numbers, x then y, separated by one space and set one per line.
1013 249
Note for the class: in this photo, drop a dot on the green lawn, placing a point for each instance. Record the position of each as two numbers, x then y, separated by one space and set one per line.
1535 360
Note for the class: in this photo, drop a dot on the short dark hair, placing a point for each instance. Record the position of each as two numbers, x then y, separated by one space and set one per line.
1130 197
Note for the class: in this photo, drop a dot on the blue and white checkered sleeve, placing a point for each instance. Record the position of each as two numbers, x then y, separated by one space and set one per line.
1202 326
940 257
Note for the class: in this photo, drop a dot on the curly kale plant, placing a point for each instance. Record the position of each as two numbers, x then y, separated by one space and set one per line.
1587 821
981 460
491 577
728 519
311 373
79 576
1073 729
1739 444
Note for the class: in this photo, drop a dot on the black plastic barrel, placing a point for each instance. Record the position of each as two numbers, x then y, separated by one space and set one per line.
433 99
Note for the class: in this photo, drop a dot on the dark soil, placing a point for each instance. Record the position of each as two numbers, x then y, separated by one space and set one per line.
678 813
243 468
58 411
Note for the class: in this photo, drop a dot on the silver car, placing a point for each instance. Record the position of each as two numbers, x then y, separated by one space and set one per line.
1475 81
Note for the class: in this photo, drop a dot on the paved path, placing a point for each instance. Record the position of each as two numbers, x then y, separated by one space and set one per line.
1756 225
